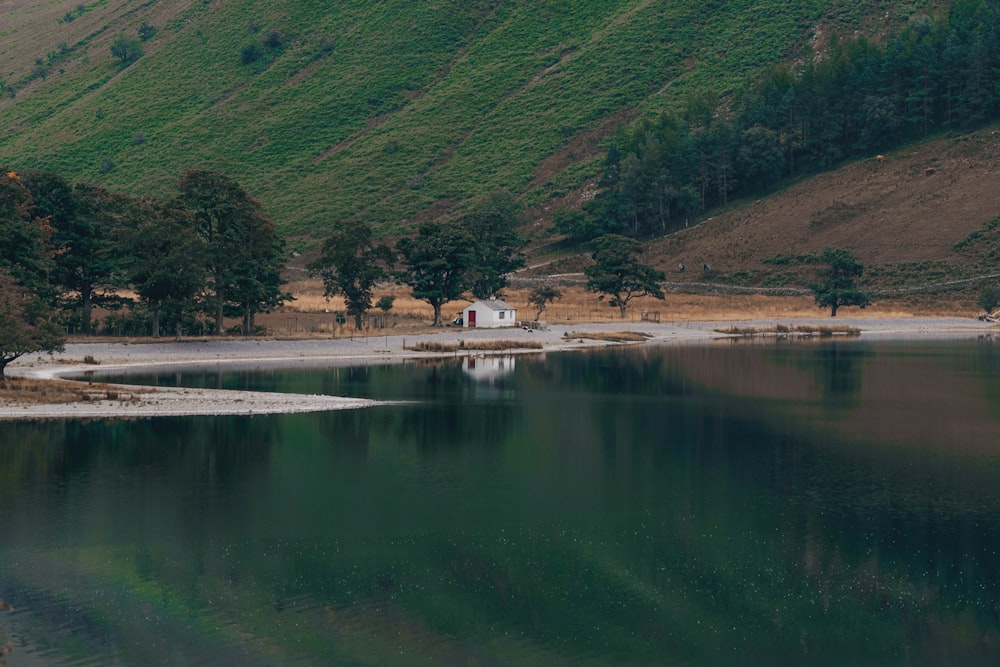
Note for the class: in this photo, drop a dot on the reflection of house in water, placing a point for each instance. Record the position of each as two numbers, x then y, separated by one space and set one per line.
488 368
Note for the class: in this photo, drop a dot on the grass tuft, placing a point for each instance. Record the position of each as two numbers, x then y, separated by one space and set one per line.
485 345
613 337
783 330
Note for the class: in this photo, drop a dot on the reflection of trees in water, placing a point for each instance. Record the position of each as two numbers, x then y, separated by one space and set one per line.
838 368
618 513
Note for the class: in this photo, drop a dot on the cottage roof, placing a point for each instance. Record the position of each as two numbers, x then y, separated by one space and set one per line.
494 304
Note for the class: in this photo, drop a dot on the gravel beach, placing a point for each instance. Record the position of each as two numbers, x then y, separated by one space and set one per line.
95 360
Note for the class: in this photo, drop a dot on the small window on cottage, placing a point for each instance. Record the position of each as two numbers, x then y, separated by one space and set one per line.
502 314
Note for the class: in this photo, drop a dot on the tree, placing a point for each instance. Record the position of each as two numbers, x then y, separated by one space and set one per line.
26 323
436 263
540 296
245 254
164 259
497 249
989 299
259 261
146 31
618 274
759 158
126 50
85 261
837 286
25 247
385 303
351 263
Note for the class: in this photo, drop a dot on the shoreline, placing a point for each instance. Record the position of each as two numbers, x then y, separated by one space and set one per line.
94 360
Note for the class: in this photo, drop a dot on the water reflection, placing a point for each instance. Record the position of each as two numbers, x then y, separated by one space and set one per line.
820 504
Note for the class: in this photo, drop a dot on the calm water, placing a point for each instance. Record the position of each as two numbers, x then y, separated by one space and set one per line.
726 505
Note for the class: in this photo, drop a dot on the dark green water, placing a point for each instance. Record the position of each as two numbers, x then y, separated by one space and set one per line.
820 504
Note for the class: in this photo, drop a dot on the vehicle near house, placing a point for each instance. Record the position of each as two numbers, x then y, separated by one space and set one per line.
489 314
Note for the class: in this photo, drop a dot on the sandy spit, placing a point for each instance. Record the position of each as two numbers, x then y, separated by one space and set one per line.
129 402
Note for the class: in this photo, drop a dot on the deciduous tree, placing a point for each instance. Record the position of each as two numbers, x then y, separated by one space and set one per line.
245 253
164 259
24 250
126 50
351 263
26 322
837 286
436 264
496 251
539 297
618 274
86 265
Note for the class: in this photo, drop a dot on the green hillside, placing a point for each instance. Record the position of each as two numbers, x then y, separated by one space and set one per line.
388 112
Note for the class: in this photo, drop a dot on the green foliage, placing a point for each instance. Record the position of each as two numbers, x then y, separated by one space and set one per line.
436 264
978 236
126 50
915 274
618 274
245 252
989 299
84 243
385 303
165 261
251 54
432 107
541 296
24 251
837 282
851 100
85 259
497 248
351 263
146 31
26 323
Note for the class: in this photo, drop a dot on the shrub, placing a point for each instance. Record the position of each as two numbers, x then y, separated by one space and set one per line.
385 303
274 40
989 299
126 50
146 31
250 54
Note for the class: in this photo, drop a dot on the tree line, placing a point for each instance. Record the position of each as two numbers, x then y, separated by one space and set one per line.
209 253
856 99
444 260
210 250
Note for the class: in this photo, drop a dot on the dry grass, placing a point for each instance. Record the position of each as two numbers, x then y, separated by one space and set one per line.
610 336
22 391
311 315
485 345
785 330
579 305
576 305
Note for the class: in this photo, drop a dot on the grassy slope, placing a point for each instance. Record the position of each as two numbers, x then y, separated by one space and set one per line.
389 111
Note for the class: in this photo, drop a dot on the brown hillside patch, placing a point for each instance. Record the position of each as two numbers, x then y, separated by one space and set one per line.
886 212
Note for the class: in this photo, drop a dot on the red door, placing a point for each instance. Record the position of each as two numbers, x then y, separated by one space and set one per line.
472 318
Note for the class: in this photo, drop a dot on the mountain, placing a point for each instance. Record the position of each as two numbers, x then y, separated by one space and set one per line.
391 112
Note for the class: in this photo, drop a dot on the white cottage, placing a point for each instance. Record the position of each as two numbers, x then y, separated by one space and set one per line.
489 315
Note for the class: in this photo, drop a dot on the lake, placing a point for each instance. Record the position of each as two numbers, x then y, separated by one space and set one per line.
820 503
